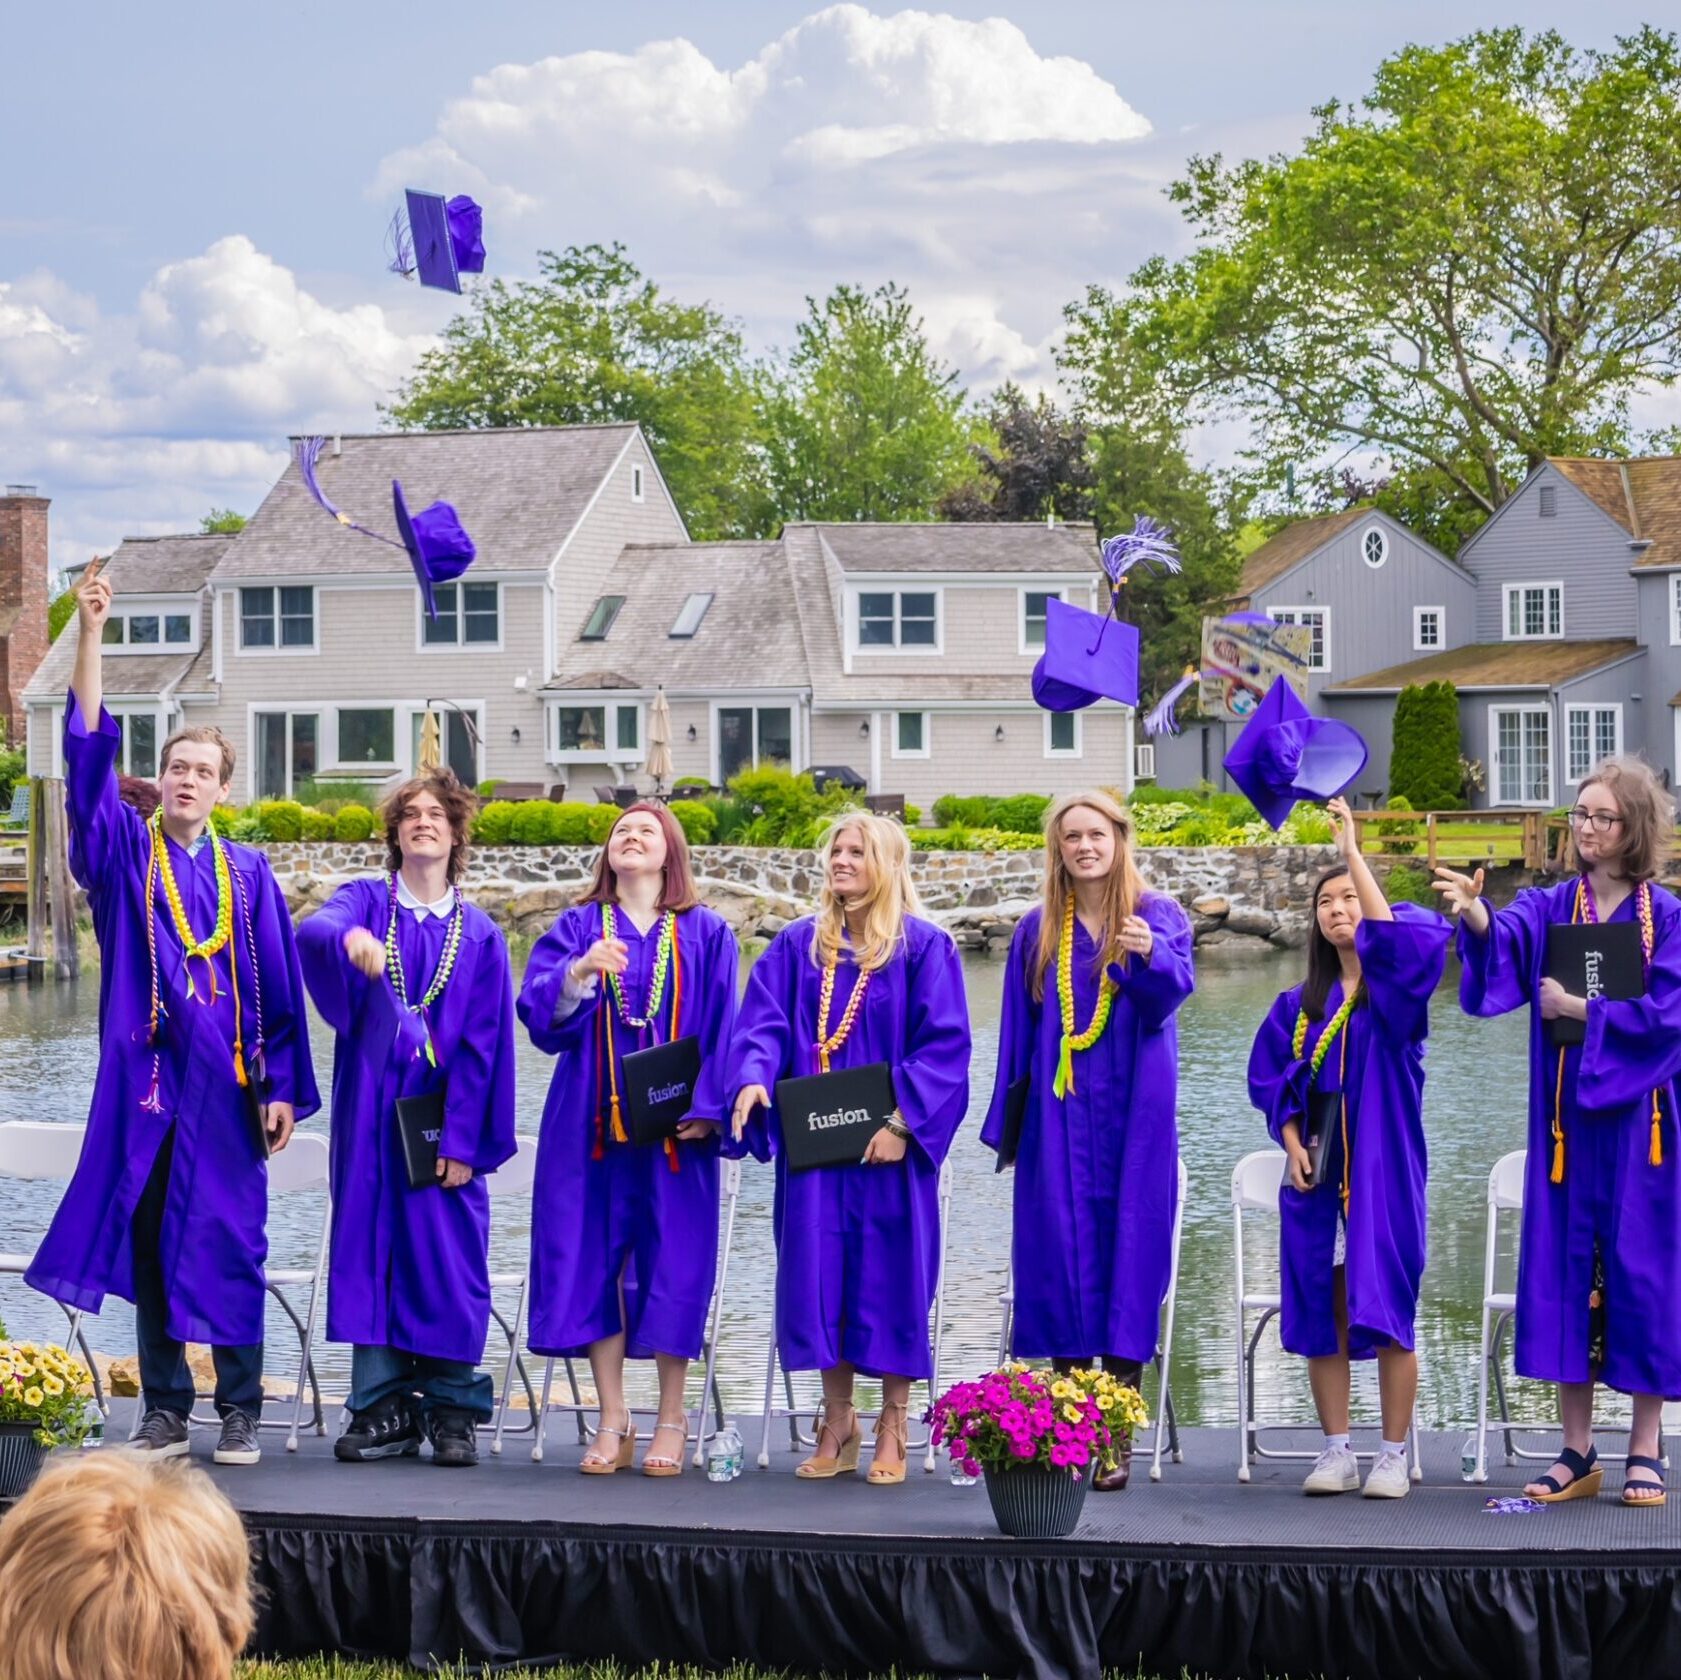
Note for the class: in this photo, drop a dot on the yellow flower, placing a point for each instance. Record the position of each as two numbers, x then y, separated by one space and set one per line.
53 1385
25 1371
1062 1389
32 1397
1071 1412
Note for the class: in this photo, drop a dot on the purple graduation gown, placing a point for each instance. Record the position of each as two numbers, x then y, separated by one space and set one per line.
858 1248
627 1212
410 1269
1612 1198
214 1242
1401 962
1097 1172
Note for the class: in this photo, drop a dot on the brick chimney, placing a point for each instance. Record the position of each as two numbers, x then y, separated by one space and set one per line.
23 599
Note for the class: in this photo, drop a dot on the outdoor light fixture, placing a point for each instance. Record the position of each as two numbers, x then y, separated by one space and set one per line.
864 729
516 734
692 735
998 733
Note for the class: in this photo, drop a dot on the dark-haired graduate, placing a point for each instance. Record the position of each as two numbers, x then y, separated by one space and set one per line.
415 983
624 1236
1097 973
1353 1239
1599 1268
866 980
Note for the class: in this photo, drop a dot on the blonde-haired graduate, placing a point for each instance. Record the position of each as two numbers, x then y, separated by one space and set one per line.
865 980
1097 971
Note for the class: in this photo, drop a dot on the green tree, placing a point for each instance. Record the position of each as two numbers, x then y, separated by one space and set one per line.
60 610
591 340
1424 757
865 421
1475 268
1033 459
222 522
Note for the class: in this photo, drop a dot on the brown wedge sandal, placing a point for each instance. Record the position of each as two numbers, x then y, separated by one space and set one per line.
596 1462
845 1461
663 1464
893 1428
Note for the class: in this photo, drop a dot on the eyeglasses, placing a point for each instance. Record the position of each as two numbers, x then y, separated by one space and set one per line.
1601 820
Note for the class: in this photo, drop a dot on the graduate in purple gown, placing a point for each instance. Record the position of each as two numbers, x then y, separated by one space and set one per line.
1097 972
1599 1268
1352 1246
415 982
202 1041
865 980
624 1236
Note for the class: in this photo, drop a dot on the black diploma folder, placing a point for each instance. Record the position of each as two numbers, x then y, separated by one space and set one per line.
828 1119
660 1088
1320 1129
1015 1117
1593 960
251 1105
420 1123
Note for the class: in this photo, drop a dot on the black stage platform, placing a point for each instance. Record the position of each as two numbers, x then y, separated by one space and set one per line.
516 1561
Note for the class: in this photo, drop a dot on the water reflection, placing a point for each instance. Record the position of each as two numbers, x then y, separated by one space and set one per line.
1474 1113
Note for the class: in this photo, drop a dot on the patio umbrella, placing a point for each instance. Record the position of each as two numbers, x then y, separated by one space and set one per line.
658 763
431 742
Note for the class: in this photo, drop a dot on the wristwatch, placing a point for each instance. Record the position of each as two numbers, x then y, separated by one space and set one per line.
896 1125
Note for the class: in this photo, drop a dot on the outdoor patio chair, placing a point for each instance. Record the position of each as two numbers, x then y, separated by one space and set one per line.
1255 1184
797 1438
1164 1346
514 1178
42 1149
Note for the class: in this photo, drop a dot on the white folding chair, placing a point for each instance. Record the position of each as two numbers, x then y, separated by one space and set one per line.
729 1190
1256 1180
797 1439
1164 1345
36 1150
515 1177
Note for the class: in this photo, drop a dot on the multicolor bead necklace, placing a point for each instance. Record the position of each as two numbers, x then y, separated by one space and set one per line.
1334 1033
1063 1084
440 978
662 964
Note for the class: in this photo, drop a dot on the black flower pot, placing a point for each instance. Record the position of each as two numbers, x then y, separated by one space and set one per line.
21 1458
1036 1501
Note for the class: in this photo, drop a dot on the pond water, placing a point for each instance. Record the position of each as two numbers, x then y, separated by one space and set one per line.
1474 1113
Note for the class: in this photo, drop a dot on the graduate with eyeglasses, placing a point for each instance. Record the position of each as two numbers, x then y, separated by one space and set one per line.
1599 1268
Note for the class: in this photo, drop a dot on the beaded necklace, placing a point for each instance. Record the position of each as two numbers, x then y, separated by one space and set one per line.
440 978
669 952
656 983
1334 1033
1063 1084
828 1043
1585 909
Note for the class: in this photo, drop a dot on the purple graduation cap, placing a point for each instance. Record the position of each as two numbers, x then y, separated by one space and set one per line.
439 549
439 241
1086 658
1285 753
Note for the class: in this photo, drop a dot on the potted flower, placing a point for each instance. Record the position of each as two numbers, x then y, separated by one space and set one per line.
1038 1435
43 1404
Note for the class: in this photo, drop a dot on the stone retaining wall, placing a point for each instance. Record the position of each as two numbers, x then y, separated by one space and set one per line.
1235 895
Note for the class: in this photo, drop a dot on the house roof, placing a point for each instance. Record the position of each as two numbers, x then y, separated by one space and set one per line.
1643 496
980 547
519 491
1289 547
1495 665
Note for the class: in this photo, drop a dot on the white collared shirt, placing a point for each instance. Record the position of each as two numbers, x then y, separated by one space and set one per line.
442 908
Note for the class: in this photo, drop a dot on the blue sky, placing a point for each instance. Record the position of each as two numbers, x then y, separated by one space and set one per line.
194 197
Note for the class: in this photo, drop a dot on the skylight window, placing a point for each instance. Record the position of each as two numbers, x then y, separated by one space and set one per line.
688 620
601 618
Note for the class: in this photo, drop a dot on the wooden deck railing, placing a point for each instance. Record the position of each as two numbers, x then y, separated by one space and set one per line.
1457 837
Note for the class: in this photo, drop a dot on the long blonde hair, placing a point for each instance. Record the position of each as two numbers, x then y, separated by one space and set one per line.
1123 888
892 895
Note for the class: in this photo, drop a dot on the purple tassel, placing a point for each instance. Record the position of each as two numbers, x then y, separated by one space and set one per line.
1161 719
1146 544
309 453
399 244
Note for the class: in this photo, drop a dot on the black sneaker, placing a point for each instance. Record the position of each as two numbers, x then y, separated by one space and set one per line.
238 1444
454 1437
162 1434
385 1430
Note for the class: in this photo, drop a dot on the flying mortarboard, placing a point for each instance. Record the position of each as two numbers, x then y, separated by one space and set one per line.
437 240
1285 753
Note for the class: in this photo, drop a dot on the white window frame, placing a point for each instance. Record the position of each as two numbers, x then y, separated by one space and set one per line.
925 751
1032 650
638 482
160 608
1675 609
609 752
896 649
1078 750
324 719
796 731
413 722
1508 591
400 712
1441 641
460 644
1494 714
160 733
279 650
1281 614
1382 536
1590 710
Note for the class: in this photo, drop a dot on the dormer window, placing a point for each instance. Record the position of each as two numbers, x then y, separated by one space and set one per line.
898 618
688 620
601 618
1374 547
147 628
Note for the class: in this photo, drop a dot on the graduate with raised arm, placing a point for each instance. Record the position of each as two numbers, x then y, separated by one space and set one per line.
202 1041
1599 1269
624 1236
1097 972
865 980
415 983
1352 1246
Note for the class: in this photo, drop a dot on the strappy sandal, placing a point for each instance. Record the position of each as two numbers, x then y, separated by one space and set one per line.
1586 1473
597 1463
890 1475
1646 1493
663 1464
845 1461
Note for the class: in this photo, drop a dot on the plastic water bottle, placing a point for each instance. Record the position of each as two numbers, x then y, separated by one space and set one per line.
959 1476
724 1454
95 1436
1468 1458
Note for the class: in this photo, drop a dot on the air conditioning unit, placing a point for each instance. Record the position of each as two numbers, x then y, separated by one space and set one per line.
1144 762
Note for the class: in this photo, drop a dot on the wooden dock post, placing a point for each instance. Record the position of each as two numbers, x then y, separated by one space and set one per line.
36 878
61 890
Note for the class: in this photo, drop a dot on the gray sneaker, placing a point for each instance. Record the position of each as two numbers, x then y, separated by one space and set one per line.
238 1444
162 1434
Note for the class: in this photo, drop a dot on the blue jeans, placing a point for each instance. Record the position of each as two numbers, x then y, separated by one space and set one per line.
377 1372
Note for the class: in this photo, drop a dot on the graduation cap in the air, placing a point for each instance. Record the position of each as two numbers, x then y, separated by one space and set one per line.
438 547
1285 753
437 240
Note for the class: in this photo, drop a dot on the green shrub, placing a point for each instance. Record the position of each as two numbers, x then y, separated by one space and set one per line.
913 815
783 807
1424 761
959 811
696 787
698 822
282 819
732 817
492 826
1148 793
319 825
353 822
487 789
1021 813
572 824
974 840
1406 885
1310 825
244 826
333 796
1389 830
534 822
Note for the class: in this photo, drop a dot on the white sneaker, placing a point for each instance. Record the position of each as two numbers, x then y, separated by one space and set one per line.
1334 1471
1388 1478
